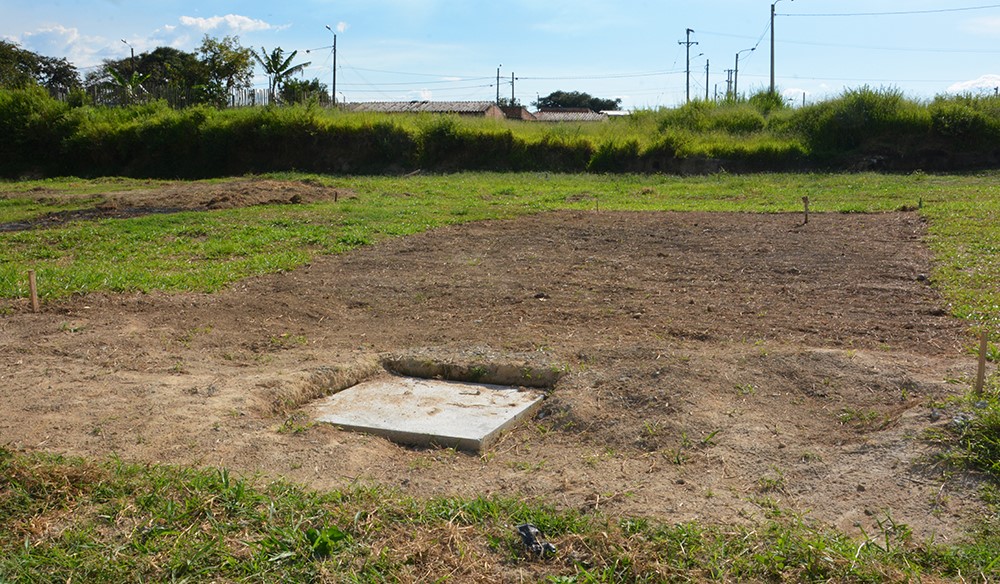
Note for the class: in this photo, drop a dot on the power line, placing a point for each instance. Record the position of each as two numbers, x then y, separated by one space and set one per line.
896 49
461 77
898 13
607 76
449 88
439 81
866 47
862 79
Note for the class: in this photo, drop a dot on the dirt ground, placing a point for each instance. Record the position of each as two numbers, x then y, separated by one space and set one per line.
717 365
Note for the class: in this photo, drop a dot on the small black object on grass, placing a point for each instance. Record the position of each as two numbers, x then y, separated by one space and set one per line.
533 540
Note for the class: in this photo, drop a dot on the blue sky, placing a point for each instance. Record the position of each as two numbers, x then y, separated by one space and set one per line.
451 49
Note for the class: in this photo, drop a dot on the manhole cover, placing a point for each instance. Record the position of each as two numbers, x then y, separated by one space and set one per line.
468 416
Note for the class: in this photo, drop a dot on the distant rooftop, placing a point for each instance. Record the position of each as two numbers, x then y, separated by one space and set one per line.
433 107
569 115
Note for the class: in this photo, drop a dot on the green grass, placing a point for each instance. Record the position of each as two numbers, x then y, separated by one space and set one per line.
206 251
865 126
65 519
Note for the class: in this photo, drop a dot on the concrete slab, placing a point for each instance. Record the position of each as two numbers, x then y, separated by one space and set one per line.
408 410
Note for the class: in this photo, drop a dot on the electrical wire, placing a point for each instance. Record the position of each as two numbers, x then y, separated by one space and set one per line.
857 79
897 13
460 77
439 81
867 47
607 76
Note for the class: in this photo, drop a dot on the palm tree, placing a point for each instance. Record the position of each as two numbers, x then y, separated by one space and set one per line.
131 86
278 67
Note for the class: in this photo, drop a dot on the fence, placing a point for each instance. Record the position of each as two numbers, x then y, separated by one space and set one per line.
180 97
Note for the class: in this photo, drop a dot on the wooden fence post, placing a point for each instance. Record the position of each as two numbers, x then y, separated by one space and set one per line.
33 286
981 372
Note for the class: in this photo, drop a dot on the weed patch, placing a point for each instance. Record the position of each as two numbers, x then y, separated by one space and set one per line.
163 523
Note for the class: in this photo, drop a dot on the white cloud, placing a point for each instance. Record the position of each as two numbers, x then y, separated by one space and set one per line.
983 82
342 26
60 41
233 22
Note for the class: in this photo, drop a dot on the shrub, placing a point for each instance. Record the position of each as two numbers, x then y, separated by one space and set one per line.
32 126
863 117
556 154
767 102
615 157
446 146
964 122
737 119
701 116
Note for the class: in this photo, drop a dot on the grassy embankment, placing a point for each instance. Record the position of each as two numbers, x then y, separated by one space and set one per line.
94 521
862 129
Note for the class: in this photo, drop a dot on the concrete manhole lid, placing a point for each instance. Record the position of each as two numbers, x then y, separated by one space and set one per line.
468 416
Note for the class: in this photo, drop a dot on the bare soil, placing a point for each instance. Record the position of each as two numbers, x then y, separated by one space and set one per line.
717 365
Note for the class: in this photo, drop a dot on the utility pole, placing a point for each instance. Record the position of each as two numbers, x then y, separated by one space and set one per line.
511 89
736 71
333 86
772 42
706 80
688 44
736 76
729 83
133 55
498 83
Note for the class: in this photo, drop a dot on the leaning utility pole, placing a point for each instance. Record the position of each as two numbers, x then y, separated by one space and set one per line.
688 44
736 71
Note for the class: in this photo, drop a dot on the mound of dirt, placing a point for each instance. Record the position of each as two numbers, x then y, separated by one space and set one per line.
226 195
200 196
716 366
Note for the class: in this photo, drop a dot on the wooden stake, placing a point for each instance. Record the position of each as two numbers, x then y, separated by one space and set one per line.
981 373
33 285
805 205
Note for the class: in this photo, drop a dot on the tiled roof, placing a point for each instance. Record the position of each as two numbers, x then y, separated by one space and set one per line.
435 107
569 116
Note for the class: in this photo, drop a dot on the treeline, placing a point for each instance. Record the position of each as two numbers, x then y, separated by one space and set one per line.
863 129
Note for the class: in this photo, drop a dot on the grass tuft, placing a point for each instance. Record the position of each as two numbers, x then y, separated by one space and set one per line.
65 519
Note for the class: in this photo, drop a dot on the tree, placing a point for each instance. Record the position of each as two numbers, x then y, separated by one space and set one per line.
228 65
20 68
130 85
15 67
508 102
300 91
562 99
278 67
161 67
172 67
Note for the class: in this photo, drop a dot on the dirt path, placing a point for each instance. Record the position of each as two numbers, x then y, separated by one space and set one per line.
719 366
